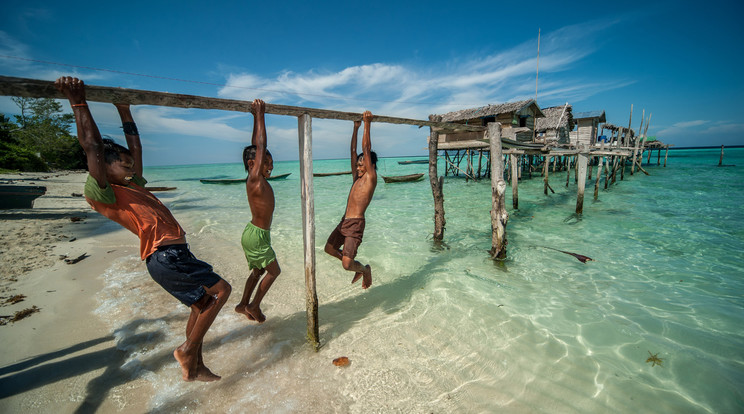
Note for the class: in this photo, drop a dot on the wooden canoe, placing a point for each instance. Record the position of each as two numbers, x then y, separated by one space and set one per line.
331 173
413 162
402 178
160 188
239 180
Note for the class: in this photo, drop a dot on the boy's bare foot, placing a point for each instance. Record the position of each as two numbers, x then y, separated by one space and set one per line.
205 375
188 364
357 276
241 309
367 281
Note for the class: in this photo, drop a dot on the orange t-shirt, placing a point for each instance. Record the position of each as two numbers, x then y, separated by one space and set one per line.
137 210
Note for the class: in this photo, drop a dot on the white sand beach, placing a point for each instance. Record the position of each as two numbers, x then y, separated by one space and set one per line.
61 358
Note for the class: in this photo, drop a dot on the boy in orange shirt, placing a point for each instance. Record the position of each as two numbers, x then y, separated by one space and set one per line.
115 188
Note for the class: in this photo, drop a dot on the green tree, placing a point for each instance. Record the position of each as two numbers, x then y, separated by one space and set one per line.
43 129
14 156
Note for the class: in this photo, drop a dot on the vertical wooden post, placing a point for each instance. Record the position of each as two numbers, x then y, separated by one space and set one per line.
545 173
308 226
665 155
499 216
720 160
568 169
658 156
436 185
637 143
514 180
581 160
599 174
589 171
627 133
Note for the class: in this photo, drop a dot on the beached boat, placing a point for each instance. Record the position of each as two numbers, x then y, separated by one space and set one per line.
331 173
402 178
20 196
413 162
238 180
160 188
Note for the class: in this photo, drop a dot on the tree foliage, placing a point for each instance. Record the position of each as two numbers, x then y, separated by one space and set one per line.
39 139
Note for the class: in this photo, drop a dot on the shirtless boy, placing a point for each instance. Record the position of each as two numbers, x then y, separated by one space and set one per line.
115 188
256 238
350 230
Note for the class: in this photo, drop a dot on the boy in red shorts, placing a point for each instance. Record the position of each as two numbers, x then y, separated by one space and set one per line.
350 230
115 188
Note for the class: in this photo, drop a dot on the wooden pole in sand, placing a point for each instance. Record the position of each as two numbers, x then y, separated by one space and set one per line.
720 160
499 216
436 185
581 160
514 180
308 226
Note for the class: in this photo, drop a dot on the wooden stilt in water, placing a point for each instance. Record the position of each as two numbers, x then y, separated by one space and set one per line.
514 180
665 155
545 173
436 186
637 143
589 171
308 226
581 160
568 170
599 174
720 160
499 216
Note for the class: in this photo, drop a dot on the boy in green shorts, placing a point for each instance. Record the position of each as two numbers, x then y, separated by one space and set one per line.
256 240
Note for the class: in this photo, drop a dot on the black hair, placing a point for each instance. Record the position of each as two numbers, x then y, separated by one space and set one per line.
249 153
372 155
112 150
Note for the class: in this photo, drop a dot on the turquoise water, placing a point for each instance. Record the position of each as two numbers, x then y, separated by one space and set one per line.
443 328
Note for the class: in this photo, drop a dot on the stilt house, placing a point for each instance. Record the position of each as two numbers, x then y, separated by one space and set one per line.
556 127
517 122
588 125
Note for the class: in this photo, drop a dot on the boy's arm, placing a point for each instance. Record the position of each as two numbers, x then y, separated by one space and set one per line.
353 157
87 131
259 137
367 144
132 136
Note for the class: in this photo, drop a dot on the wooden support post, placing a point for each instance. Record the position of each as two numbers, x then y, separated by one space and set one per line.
545 173
514 180
589 172
581 160
499 216
599 174
720 160
308 226
658 156
436 187
626 141
615 162
648 161
666 153
480 160
568 170
637 143
622 168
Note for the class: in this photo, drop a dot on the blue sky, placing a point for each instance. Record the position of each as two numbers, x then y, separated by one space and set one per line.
676 60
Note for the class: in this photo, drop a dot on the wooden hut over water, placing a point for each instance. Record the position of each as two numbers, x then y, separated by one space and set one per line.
555 128
588 126
620 136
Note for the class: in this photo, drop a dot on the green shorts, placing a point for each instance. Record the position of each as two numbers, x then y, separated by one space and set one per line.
257 247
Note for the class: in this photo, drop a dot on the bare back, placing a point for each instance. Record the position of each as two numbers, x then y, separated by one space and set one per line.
261 200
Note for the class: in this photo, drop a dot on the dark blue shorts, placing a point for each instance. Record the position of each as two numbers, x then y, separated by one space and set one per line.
180 273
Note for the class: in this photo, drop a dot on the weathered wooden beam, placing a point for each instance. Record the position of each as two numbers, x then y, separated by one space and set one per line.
436 187
33 88
582 162
305 130
499 216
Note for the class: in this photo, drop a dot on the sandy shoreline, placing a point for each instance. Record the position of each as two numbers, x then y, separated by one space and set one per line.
62 358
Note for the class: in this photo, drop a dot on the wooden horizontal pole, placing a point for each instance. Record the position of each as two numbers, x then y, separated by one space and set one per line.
33 88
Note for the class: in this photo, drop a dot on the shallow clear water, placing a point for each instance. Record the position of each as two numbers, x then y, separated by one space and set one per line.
445 329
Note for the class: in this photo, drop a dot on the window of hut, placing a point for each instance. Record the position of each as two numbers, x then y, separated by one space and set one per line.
522 120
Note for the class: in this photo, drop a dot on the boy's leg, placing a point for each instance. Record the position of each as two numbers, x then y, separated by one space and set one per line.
360 269
253 309
202 315
250 286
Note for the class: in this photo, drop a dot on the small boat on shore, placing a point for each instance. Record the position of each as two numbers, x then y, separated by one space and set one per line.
413 162
160 188
331 173
20 196
238 180
402 178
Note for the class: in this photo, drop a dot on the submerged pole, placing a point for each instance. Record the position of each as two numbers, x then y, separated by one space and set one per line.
436 185
499 216
582 161
308 226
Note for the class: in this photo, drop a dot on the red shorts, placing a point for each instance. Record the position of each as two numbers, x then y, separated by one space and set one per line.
349 234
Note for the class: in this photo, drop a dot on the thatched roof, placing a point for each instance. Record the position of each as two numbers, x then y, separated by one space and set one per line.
491 110
553 115
600 115
613 127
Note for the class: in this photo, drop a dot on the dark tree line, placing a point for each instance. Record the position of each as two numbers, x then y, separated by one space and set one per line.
39 138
